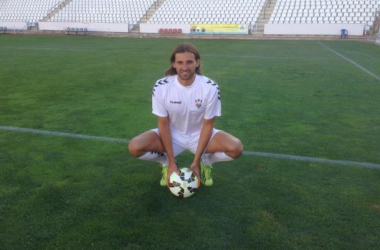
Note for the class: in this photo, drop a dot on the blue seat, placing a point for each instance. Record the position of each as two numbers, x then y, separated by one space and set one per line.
343 33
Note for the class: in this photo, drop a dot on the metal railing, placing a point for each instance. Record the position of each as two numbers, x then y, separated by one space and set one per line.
267 4
56 5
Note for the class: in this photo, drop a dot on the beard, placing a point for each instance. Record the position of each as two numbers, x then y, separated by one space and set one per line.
187 75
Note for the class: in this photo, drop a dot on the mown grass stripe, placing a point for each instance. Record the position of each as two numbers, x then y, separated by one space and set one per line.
259 154
164 53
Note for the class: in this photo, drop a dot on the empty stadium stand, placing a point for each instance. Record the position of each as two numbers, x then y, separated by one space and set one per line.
103 11
325 11
26 10
134 12
208 11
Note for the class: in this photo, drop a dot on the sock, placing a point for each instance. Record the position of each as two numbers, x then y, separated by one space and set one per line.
209 159
155 156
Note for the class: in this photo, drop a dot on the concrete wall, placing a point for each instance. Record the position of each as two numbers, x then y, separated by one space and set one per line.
313 29
99 27
154 28
13 25
269 29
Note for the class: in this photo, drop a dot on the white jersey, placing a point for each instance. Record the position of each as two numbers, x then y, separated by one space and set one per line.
186 106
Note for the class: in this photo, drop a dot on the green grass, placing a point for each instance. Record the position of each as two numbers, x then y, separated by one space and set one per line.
287 97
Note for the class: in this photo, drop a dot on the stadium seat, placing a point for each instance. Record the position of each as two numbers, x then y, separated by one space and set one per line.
105 11
241 11
27 10
330 9
192 11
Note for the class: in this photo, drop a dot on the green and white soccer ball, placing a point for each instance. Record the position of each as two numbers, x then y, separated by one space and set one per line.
184 184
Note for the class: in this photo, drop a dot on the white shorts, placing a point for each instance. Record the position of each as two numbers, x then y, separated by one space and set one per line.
183 142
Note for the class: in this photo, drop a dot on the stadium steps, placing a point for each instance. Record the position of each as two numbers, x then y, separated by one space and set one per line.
264 16
375 29
149 13
57 9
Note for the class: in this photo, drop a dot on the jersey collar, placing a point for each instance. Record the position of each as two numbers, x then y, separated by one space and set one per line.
193 85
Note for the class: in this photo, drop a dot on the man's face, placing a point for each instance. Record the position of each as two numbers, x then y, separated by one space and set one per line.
185 64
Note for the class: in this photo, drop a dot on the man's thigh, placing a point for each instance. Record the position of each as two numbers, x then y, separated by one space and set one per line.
222 142
147 141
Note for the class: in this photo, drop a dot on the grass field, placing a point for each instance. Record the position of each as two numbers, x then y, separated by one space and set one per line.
295 98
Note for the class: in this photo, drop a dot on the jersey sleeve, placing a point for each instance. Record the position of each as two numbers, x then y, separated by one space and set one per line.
158 107
214 105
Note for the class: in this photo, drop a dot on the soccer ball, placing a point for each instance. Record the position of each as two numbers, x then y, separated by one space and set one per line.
183 184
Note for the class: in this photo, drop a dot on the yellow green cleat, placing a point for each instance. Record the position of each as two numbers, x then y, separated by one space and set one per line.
163 181
206 178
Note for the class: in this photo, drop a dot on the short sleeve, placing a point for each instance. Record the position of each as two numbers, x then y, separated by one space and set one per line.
158 107
214 106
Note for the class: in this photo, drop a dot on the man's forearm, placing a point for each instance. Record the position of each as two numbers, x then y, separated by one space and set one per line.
166 139
204 139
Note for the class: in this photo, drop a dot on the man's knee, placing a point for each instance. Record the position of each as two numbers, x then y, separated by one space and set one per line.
236 149
145 142
133 148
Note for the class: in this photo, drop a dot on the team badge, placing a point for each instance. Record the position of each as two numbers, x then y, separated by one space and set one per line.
198 103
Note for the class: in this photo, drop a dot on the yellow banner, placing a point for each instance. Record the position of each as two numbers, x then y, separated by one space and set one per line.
218 28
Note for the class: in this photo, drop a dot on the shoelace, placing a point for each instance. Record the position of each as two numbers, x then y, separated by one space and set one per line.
164 172
207 171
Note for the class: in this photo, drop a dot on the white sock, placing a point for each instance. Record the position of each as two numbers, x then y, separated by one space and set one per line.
209 159
155 156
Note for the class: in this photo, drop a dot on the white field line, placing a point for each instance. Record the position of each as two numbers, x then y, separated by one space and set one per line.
248 153
351 61
62 134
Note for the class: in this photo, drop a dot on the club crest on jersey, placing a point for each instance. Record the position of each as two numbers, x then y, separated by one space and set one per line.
198 103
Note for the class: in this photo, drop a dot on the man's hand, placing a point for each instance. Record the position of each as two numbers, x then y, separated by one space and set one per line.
171 169
195 168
